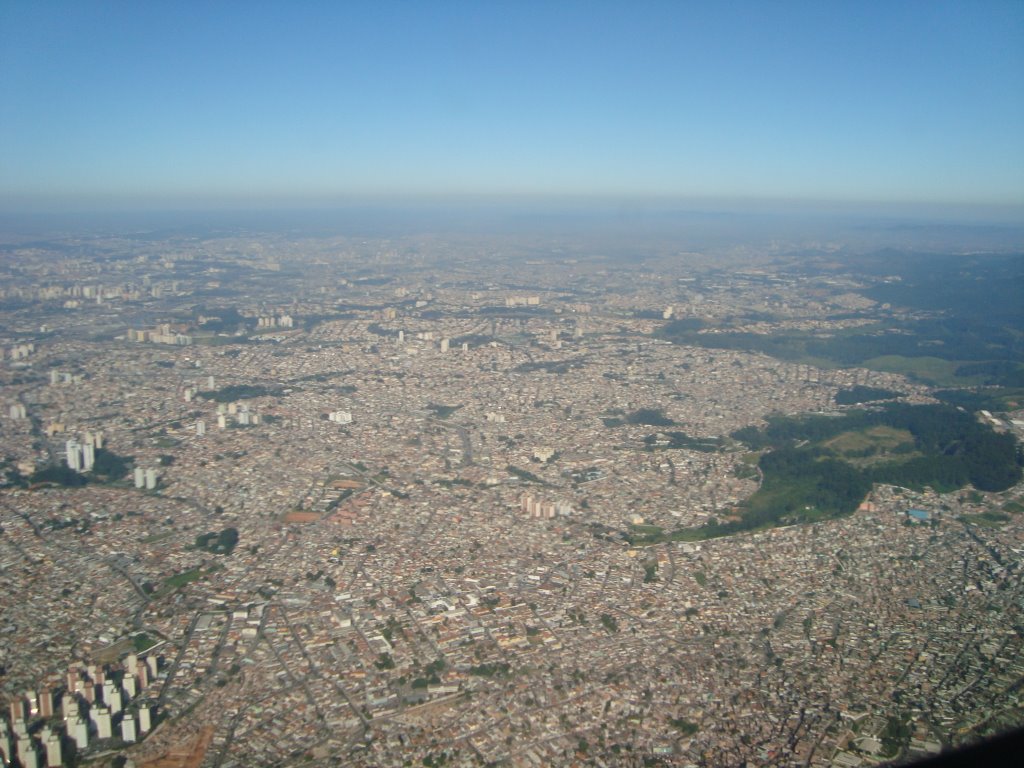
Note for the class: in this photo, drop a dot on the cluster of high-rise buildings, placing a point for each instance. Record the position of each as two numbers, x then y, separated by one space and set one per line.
522 301
145 478
541 509
275 321
81 456
243 413
95 703
19 351
162 334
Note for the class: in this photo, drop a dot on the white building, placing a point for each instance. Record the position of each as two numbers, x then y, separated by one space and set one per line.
128 728
73 455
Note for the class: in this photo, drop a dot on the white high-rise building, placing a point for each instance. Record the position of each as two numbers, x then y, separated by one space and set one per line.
33 703
73 455
54 758
79 731
128 728
150 479
101 716
144 722
27 755
445 344
6 751
112 696
88 457
140 477
5 744
200 428
68 706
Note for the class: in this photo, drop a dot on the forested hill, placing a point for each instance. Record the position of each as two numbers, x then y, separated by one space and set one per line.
819 467
962 309
951 448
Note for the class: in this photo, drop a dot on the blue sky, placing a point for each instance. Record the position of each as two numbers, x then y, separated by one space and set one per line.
193 103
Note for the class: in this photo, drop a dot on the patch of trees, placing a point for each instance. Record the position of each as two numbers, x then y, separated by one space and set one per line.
442 411
682 325
109 464
799 485
58 474
985 288
945 338
548 366
222 543
1001 373
804 481
683 440
234 392
503 311
10 476
498 669
473 339
524 475
684 726
957 448
220 319
651 417
896 734
983 399
861 394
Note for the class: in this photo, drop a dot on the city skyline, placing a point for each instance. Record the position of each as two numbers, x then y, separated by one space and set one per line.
110 106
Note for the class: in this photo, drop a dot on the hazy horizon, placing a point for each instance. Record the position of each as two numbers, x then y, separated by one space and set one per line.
685 225
106 106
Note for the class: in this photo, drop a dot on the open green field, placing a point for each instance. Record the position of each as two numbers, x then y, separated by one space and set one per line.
988 398
931 370
864 447
178 580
